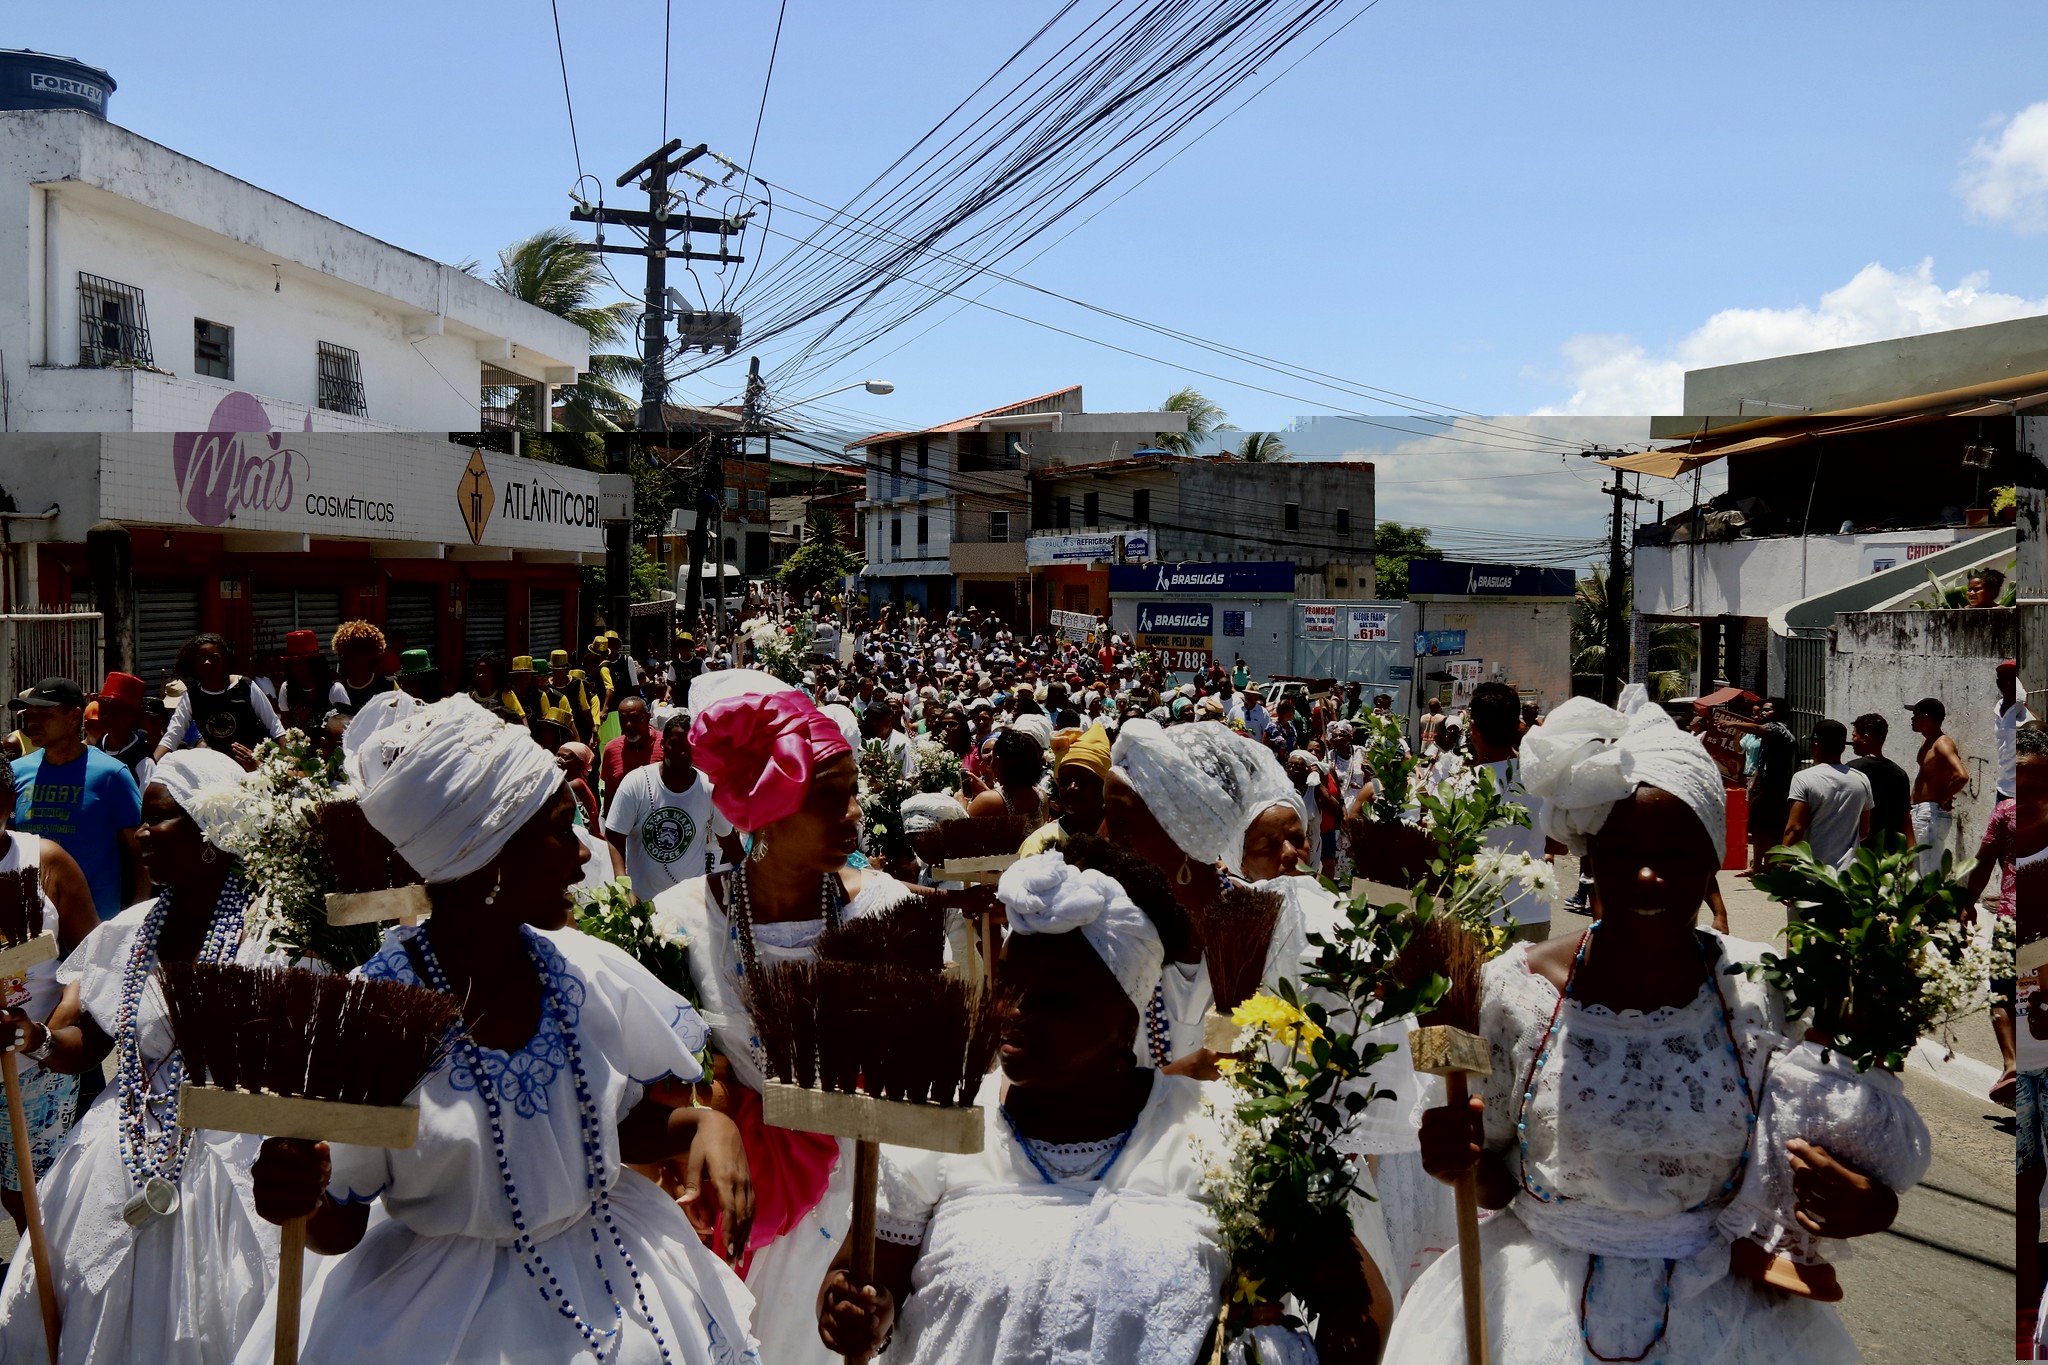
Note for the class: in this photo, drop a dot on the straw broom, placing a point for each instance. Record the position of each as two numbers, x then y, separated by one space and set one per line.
293 1053
27 944
1449 1045
876 1052
976 850
1237 933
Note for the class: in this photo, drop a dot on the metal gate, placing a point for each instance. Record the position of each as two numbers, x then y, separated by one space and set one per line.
412 614
1806 683
483 625
38 645
543 622
166 616
279 611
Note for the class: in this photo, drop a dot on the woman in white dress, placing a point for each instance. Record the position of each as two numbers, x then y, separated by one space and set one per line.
1620 1116
513 1229
783 772
184 1282
1080 1231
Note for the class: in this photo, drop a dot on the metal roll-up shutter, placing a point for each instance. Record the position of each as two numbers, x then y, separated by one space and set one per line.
544 623
483 626
414 611
166 616
278 611
319 610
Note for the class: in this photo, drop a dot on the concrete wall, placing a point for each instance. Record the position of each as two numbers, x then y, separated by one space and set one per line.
1876 372
78 194
1527 644
1756 577
1884 661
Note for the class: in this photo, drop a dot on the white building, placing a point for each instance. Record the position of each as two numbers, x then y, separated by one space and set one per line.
141 290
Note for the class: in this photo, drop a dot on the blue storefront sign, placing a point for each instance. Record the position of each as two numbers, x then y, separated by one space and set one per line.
1452 578
1431 642
1272 577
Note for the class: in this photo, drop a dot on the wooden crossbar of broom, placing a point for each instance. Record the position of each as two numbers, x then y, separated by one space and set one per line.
877 1052
974 851
292 1053
373 883
1449 1045
27 944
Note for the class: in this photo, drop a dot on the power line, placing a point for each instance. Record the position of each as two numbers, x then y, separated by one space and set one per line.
668 8
762 112
563 57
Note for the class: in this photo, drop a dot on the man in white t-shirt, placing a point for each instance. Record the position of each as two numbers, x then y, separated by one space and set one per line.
1831 802
662 826
1496 738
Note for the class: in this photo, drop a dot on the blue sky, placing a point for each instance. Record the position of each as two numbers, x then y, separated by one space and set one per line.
1497 207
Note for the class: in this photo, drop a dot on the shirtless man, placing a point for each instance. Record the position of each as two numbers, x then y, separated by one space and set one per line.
1940 778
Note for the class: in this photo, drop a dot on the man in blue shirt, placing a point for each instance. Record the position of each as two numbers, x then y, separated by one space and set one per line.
80 796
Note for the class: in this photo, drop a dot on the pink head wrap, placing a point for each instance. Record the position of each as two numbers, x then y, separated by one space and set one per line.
759 751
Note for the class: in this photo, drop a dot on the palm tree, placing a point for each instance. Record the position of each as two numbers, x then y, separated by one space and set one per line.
1261 447
1204 417
548 270
1674 647
822 525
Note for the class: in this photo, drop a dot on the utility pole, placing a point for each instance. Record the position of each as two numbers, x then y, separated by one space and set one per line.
1614 658
656 223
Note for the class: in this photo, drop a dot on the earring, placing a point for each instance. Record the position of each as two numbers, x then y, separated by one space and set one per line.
760 849
497 885
1186 874
209 854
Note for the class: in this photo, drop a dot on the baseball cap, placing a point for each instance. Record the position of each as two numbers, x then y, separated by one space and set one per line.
50 692
1930 706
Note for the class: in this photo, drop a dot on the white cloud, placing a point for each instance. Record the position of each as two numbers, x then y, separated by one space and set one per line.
2005 179
1616 374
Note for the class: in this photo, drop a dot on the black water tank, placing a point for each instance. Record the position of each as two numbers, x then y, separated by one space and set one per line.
35 80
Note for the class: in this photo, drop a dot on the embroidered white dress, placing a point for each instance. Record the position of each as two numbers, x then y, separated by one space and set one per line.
438 1277
1124 1269
784 1275
183 1288
1639 1121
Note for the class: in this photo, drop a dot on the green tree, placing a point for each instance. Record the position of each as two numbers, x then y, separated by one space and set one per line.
1674 646
822 525
1393 546
548 270
818 562
1262 447
1204 418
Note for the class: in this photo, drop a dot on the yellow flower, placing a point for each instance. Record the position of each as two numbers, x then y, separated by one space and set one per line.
1288 1025
1226 1066
1247 1290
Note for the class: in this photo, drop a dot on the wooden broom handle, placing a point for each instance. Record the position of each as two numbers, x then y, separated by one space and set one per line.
31 1208
291 1265
867 1169
1474 1285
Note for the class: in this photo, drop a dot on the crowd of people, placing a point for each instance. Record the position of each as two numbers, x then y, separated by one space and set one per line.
595 1176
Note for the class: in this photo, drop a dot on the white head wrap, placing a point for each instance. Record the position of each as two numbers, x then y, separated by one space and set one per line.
1204 783
1045 894
707 688
926 809
848 723
450 785
386 708
206 784
1037 726
1585 757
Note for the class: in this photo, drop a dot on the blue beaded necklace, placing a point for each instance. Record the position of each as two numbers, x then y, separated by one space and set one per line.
1037 1164
162 1157
600 1341
1535 1191
1155 1028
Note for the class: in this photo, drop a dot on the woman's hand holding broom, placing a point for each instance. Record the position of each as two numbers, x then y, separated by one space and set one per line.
290 1181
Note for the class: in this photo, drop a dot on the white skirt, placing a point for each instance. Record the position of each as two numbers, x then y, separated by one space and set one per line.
399 1297
1532 1310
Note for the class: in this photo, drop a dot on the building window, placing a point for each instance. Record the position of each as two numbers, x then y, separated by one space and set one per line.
1013 449
1141 505
1063 513
113 326
1091 509
732 498
999 527
213 349
757 500
1343 582
924 534
1343 521
341 380
1290 515
895 533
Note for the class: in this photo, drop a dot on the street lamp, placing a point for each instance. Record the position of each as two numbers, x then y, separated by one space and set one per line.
877 387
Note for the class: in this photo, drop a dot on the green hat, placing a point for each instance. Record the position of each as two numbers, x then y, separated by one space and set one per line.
414 662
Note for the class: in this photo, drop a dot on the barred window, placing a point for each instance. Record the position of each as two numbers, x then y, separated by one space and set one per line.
113 326
341 380
213 349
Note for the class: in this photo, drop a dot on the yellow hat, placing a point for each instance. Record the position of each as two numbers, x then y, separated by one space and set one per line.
558 658
1089 749
597 643
522 663
611 635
